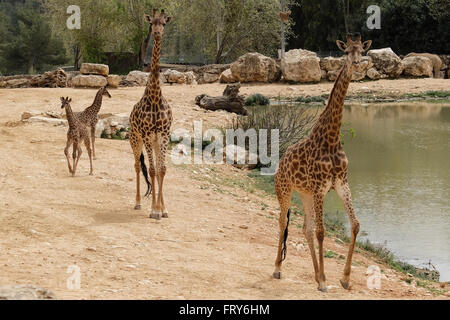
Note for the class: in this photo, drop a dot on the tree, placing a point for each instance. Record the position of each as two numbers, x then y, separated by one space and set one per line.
27 44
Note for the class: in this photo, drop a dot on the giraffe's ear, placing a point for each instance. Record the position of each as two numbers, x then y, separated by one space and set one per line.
62 99
70 100
367 44
168 19
341 45
148 18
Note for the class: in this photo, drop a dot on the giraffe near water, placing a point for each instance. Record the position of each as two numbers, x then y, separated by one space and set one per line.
317 164
76 134
150 123
89 116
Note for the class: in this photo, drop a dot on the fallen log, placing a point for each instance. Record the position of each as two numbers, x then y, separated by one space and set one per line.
231 101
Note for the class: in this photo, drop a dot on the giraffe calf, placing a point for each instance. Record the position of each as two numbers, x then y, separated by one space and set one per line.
76 134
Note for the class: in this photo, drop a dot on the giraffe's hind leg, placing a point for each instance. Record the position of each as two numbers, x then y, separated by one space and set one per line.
76 154
308 229
164 145
93 141
150 150
284 193
66 152
136 144
88 148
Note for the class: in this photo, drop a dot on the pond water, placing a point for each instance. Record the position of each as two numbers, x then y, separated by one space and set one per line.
399 174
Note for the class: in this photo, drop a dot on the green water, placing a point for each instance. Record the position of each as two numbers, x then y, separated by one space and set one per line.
399 175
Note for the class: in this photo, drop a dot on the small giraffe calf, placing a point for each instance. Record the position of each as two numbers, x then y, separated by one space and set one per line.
75 135
89 116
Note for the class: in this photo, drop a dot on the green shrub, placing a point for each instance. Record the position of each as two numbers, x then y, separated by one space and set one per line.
257 100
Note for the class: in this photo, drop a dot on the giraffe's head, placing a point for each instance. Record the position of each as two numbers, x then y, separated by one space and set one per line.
158 22
354 48
65 102
105 92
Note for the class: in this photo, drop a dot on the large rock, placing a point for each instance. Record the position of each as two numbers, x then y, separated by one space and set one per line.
52 121
301 66
89 81
387 62
332 63
174 76
209 73
138 78
418 66
25 292
373 74
114 80
255 67
227 77
94 68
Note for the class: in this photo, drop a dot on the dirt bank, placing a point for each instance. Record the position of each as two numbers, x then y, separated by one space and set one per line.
220 239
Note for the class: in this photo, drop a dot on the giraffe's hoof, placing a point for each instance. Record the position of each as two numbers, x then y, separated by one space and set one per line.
165 215
156 216
91 173
323 288
345 284
277 275
137 207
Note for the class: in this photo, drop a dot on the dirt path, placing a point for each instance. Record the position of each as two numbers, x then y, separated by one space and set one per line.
219 242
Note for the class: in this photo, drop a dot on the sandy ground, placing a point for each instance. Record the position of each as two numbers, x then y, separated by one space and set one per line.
220 239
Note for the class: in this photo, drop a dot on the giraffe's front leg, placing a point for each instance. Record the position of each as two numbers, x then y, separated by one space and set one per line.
66 152
320 234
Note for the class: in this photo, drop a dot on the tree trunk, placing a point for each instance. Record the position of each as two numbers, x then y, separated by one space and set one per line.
143 51
231 101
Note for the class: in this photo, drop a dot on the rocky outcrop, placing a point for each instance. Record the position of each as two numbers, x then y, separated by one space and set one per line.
387 62
227 77
331 63
301 66
373 74
210 73
95 69
174 76
114 80
435 61
137 78
89 81
50 79
255 67
418 66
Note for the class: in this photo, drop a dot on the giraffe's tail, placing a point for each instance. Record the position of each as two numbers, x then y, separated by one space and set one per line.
285 236
145 173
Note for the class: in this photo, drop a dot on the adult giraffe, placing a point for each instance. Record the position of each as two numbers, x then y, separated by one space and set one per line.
317 164
150 123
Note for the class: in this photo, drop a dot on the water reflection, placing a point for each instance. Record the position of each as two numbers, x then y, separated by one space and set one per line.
400 177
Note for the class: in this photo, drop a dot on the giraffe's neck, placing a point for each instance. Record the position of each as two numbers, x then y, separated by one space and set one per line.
153 89
329 124
97 104
70 116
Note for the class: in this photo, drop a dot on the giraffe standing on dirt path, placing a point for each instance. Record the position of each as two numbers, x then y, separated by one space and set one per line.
150 123
89 116
76 134
317 164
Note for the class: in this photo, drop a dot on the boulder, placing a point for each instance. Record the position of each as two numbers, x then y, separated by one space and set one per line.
94 68
18 83
114 80
210 77
436 61
52 121
301 66
209 73
138 78
173 76
418 66
331 63
239 157
387 62
190 77
324 74
255 67
25 292
89 81
227 77
332 75
51 79
373 74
